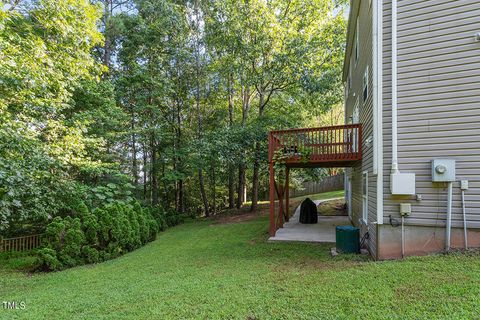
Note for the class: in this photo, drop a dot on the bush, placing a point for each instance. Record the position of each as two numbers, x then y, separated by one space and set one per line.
48 259
143 223
65 239
103 234
173 218
91 254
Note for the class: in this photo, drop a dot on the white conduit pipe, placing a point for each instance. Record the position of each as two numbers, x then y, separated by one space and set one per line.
449 216
394 88
464 220
403 237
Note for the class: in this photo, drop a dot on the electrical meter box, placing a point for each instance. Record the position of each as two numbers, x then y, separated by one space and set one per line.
443 170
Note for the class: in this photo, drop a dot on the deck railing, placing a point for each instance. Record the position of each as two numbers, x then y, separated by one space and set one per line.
315 145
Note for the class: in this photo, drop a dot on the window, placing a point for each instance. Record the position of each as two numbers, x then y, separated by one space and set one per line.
365 85
365 197
357 41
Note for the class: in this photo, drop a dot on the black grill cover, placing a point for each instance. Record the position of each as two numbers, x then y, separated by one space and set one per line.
308 212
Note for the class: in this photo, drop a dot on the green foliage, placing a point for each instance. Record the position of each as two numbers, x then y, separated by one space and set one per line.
102 234
112 192
53 111
65 240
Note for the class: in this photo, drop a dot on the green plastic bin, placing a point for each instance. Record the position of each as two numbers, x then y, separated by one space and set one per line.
347 239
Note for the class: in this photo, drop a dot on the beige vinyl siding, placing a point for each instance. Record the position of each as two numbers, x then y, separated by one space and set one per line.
438 104
366 119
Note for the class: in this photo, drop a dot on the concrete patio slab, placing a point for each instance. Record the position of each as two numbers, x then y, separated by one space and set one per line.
323 231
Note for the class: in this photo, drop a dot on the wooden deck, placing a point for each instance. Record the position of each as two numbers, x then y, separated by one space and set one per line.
334 146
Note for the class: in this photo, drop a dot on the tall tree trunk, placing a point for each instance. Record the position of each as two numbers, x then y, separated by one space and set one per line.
231 169
257 155
134 150
231 187
154 171
201 180
181 197
145 171
246 95
255 176
203 193
241 185
214 190
179 202
107 46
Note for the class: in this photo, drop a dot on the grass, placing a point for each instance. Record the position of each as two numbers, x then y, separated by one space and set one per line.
19 261
323 196
210 270
316 196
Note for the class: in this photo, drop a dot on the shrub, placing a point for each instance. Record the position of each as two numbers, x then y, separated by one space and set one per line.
91 254
143 223
173 218
103 234
105 226
48 259
65 239
158 213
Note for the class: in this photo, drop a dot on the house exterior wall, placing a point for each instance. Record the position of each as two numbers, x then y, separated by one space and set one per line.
363 11
438 117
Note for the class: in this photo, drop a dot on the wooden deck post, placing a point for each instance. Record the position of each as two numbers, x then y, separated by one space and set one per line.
273 228
287 194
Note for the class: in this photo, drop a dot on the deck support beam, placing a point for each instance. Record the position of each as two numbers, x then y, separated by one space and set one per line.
273 228
272 190
287 194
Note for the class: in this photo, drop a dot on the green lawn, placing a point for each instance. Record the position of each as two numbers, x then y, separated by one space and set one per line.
201 270
317 196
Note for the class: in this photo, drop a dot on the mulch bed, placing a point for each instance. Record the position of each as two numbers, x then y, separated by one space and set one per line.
332 208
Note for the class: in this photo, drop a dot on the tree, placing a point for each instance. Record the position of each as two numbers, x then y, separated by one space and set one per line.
46 54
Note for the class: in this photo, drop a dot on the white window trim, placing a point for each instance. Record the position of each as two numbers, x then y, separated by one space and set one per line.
365 197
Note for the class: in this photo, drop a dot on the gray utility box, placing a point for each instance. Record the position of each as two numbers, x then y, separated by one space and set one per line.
443 170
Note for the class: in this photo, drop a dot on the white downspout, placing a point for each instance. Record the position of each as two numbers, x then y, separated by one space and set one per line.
377 42
394 89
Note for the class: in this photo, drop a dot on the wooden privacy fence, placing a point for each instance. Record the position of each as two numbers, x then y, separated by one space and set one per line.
21 243
332 183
